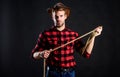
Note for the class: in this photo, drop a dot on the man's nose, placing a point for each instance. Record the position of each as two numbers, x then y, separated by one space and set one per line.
57 18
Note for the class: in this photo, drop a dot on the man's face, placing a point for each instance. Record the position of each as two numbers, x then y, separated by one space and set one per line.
60 18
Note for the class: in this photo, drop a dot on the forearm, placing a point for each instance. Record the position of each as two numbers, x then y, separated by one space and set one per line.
90 42
37 55
42 54
90 45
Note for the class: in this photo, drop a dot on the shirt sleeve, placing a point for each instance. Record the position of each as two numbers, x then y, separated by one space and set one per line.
40 45
79 44
86 55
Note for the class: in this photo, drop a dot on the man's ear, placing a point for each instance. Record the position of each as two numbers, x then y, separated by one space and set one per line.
65 16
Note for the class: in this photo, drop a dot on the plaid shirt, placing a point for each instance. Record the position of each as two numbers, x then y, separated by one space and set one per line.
63 57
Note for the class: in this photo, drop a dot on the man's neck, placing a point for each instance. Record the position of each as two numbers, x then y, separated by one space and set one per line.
61 28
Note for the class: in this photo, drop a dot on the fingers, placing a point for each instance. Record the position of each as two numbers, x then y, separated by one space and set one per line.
100 28
97 31
46 53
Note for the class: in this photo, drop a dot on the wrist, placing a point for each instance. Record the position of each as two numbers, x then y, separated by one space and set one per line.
41 54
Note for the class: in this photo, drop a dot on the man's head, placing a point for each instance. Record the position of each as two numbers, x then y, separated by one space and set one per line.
59 13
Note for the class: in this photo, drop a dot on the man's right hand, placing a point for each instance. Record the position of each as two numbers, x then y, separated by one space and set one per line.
46 53
42 54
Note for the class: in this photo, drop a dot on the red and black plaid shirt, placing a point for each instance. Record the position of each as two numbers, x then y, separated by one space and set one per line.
52 38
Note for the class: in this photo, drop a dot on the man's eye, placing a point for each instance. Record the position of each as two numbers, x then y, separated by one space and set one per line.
61 15
56 16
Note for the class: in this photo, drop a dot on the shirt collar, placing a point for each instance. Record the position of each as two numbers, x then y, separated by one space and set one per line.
54 28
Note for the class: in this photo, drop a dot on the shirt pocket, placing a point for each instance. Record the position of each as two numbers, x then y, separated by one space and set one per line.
70 45
53 42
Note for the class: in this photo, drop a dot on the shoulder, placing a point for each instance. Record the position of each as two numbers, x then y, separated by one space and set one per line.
72 31
47 31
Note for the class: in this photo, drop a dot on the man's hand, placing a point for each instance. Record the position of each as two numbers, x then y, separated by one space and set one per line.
97 31
42 54
46 53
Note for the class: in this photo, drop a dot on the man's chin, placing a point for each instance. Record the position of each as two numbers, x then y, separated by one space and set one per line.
59 25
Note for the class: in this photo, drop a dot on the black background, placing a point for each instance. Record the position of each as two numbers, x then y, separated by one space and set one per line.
21 21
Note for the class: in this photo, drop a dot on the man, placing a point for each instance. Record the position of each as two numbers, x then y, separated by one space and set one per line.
61 62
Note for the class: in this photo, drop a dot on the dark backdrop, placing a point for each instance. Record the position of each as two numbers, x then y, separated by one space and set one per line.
21 21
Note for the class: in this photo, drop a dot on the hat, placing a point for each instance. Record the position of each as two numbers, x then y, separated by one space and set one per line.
59 7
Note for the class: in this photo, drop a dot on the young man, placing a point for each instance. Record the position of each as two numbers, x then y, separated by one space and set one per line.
61 62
